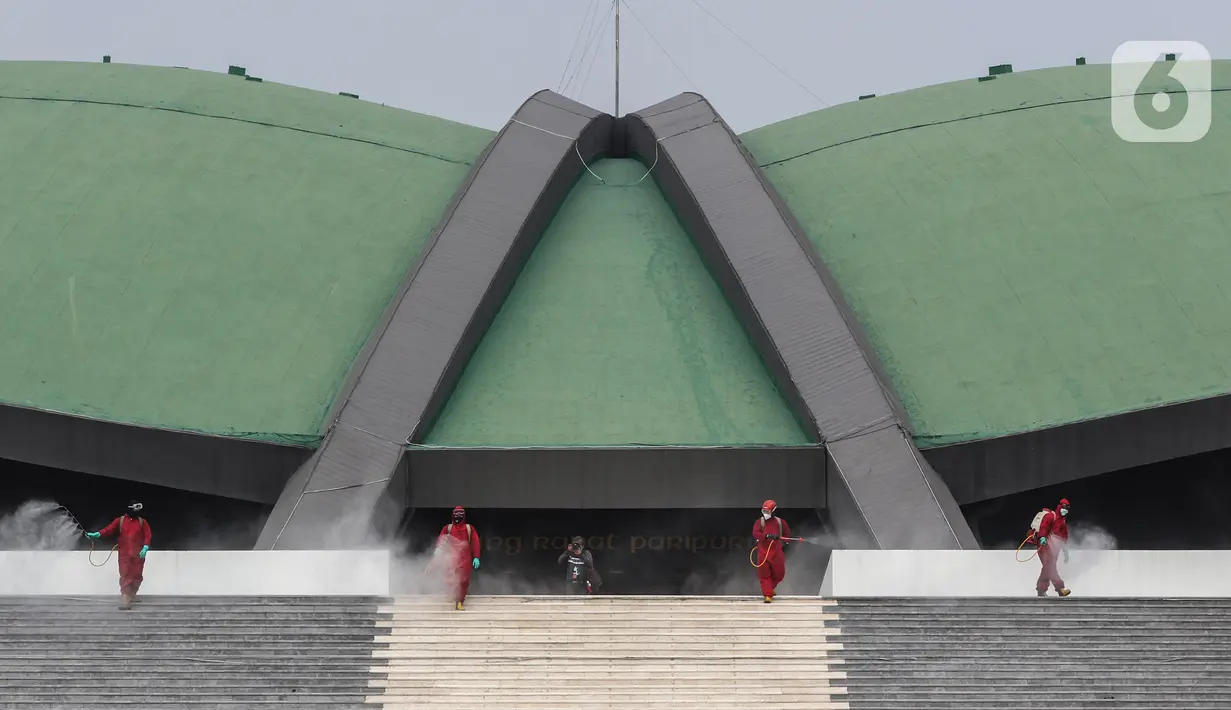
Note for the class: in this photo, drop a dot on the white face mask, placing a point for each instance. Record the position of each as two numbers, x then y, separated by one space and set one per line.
765 515
1064 512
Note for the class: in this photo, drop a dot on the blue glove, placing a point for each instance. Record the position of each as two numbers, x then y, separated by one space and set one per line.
475 563
93 536
1042 541
1066 555
144 550
436 552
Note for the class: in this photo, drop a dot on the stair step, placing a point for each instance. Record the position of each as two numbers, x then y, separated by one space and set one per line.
712 631
596 704
503 652
700 678
1021 704
203 705
529 667
602 635
665 694
137 699
467 620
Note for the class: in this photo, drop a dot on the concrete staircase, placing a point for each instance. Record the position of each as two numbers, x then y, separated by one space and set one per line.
587 653
1026 654
208 653
614 653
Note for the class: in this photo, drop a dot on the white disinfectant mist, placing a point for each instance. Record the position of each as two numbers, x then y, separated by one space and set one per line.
39 525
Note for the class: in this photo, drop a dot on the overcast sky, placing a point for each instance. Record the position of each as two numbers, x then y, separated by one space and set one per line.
475 61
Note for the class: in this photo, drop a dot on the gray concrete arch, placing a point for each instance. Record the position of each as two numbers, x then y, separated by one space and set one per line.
881 492
444 306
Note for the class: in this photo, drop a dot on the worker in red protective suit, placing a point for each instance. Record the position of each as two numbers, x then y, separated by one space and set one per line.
769 531
134 541
459 542
1053 539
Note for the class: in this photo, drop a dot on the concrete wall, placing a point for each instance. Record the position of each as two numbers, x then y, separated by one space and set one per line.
996 573
851 573
247 573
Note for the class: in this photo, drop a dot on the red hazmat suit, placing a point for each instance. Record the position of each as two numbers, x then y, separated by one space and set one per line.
134 533
459 545
1055 529
770 557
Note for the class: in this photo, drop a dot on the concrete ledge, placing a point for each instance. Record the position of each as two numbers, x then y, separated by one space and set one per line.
1140 574
175 573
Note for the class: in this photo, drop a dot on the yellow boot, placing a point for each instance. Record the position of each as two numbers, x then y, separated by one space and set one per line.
460 607
1064 592
768 599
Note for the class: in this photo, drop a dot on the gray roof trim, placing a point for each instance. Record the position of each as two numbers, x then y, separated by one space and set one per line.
991 468
216 465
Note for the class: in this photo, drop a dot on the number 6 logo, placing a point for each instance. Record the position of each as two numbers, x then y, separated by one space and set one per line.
1158 101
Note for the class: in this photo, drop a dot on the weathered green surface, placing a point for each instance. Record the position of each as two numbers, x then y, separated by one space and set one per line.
1015 263
214 266
615 334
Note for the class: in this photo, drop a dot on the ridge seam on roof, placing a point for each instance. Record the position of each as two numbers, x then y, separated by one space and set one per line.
565 109
249 121
959 119
672 109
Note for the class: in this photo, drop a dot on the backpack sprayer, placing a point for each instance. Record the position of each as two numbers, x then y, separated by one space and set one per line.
1036 526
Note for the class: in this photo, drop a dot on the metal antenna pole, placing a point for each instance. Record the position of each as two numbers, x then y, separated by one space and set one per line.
617 58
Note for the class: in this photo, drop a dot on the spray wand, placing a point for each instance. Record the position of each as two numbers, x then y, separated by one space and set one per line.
84 531
753 551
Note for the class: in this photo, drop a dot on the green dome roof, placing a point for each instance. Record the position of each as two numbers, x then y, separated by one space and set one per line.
197 251
1015 263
